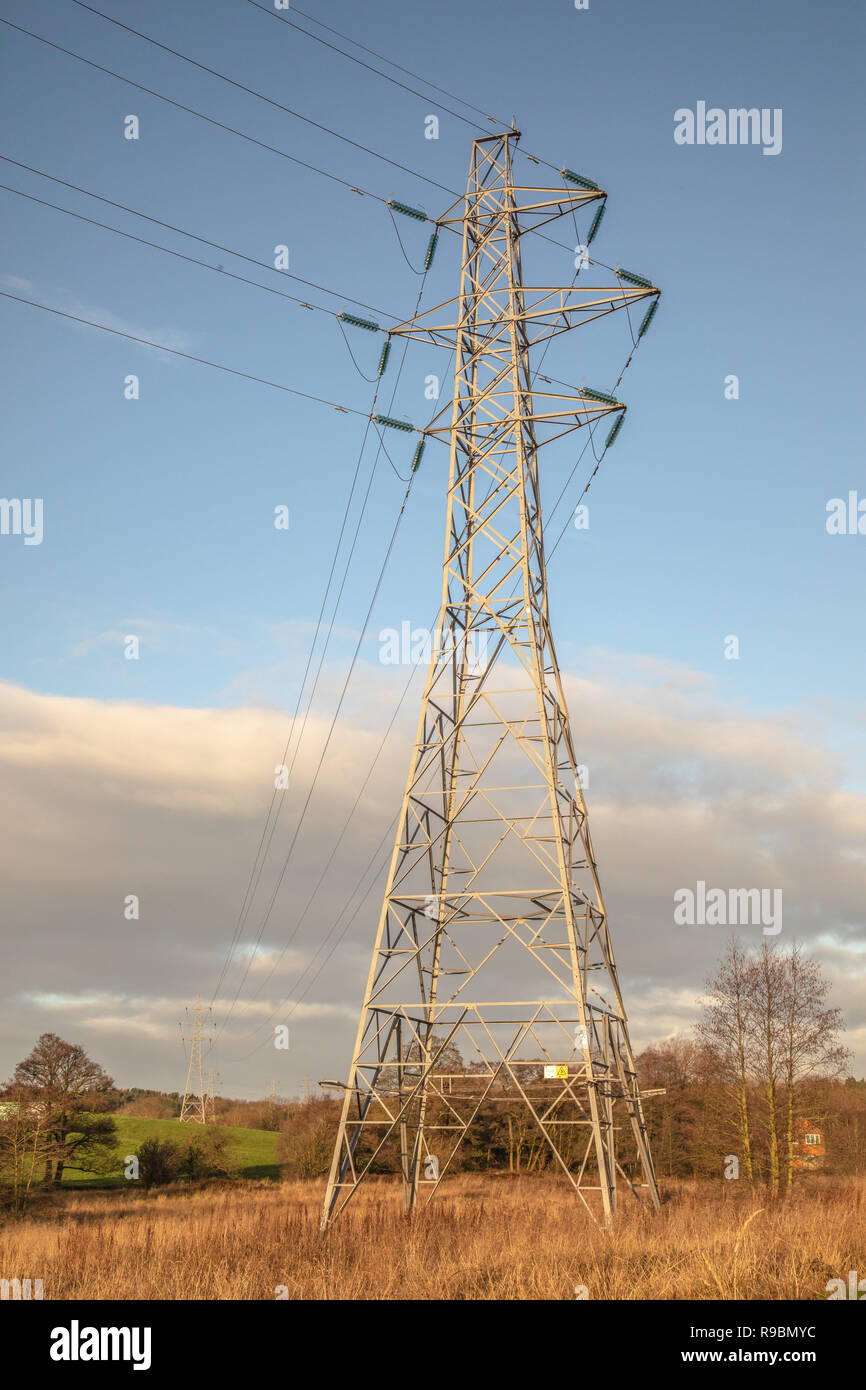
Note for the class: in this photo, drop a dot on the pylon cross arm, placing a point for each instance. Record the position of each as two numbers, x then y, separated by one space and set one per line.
573 307
556 202
581 411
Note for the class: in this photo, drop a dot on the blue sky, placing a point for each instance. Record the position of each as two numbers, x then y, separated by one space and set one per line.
706 519
709 517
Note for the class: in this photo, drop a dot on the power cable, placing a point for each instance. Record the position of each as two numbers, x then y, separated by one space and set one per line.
390 61
191 111
326 745
491 120
289 111
391 827
315 37
262 849
354 807
176 352
217 246
337 844
272 149
179 255
327 958
323 654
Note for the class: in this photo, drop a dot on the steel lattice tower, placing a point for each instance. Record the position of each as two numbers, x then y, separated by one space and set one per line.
493 890
197 1102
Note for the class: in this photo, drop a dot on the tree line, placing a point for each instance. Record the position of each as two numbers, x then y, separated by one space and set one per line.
729 1099
764 1061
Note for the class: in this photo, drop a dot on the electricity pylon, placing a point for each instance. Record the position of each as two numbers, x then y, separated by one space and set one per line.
493 936
195 1098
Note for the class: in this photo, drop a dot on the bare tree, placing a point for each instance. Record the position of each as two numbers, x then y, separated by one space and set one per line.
767 1019
725 1028
769 989
23 1144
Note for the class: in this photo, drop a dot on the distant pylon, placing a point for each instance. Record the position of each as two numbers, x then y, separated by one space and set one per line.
195 1099
493 937
306 1090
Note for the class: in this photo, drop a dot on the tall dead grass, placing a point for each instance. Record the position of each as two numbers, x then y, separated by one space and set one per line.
488 1238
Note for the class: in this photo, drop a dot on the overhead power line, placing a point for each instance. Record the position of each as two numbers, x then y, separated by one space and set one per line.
370 770
300 993
324 750
298 997
251 91
491 120
338 842
589 443
315 37
292 934
193 236
191 111
390 61
275 385
251 139
270 824
305 395
179 255
176 352
273 815
299 826
256 872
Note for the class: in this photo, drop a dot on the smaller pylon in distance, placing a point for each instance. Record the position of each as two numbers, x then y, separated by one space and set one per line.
194 1108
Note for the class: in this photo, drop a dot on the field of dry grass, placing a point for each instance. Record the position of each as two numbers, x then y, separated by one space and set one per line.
488 1238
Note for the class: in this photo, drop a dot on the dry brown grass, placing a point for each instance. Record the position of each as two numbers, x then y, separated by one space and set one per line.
488 1238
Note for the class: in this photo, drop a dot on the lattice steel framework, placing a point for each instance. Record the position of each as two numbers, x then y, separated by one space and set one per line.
197 1104
493 934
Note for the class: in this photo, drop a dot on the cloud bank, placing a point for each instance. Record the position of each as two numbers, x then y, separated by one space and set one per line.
106 800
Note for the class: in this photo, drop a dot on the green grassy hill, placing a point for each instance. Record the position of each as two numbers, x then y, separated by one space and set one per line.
253 1151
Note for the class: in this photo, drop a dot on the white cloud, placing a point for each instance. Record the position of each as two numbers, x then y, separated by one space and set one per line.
16 282
107 798
166 335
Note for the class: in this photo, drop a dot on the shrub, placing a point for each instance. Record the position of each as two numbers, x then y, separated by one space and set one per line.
159 1162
